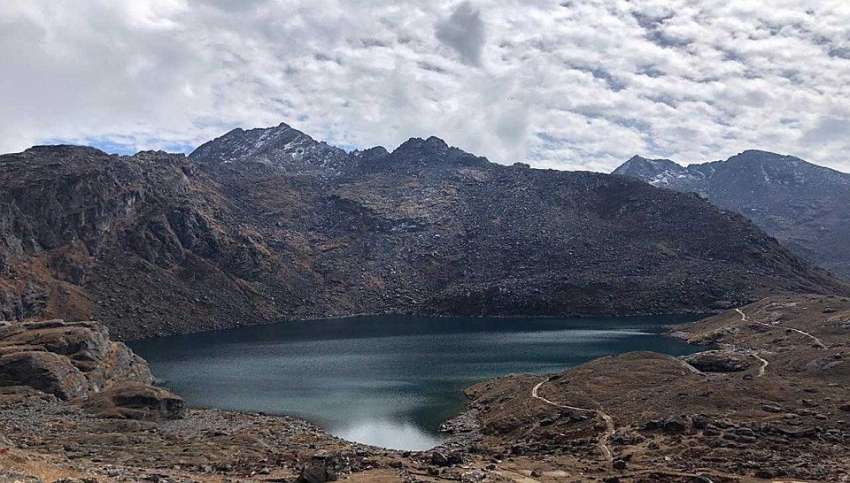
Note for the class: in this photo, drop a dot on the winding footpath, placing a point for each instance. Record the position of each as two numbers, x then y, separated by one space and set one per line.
602 442
752 353
764 364
818 343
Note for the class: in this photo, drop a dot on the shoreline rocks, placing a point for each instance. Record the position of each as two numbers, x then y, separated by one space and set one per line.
70 360
133 400
77 362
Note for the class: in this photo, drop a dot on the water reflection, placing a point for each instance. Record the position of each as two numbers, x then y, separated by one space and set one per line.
388 434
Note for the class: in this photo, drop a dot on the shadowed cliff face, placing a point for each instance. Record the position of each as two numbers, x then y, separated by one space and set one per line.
803 205
248 230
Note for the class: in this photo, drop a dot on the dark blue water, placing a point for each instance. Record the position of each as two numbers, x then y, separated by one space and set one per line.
389 380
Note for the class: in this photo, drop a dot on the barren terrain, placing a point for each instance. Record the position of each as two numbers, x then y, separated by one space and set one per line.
768 401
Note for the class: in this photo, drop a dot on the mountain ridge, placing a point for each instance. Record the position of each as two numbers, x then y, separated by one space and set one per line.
157 243
803 204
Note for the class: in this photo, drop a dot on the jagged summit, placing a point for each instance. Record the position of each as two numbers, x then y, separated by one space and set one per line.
800 203
282 147
657 172
294 153
431 152
433 144
639 165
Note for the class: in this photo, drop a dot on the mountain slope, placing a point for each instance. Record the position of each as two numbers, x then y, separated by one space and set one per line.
158 243
805 206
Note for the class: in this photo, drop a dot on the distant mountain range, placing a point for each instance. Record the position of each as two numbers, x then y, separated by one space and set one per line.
267 224
805 206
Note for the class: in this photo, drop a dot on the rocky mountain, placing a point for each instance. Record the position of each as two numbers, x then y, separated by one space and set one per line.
284 148
262 225
805 206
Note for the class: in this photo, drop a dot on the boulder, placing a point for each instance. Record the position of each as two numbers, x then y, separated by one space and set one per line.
134 400
321 468
719 361
673 424
45 371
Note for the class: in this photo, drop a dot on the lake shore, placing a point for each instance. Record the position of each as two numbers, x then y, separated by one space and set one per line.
773 402
388 381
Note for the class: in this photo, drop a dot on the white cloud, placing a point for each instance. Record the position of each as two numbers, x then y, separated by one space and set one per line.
567 85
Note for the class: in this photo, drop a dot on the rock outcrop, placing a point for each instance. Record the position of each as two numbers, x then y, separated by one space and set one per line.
133 400
77 362
67 359
720 361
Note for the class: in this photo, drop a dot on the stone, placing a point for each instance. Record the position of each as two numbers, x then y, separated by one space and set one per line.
44 371
672 424
135 401
439 459
719 361
319 469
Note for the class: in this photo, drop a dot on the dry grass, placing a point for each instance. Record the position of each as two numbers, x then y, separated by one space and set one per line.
24 463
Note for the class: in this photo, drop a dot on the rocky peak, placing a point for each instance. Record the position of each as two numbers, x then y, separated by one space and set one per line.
800 203
759 155
657 172
371 153
770 168
432 145
282 147
640 164
431 152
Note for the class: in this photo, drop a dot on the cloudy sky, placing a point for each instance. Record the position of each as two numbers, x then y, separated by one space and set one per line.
570 84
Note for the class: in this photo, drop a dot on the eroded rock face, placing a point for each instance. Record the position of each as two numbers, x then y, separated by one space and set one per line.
45 371
70 360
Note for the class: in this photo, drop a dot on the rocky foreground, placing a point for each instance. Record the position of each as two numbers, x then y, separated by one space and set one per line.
768 400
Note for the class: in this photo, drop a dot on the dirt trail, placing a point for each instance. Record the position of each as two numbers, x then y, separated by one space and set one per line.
818 342
604 448
764 364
